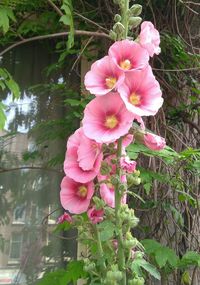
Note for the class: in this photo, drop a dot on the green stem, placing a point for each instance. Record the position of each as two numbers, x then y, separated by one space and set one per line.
125 19
118 197
100 251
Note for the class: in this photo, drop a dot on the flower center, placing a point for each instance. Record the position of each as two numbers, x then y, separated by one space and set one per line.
82 191
125 64
110 185
111 122
134 99
110 82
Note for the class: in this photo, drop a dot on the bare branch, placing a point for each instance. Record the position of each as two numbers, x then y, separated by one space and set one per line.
56 35
3 170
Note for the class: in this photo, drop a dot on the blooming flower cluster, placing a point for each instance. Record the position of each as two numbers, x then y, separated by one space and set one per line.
125 90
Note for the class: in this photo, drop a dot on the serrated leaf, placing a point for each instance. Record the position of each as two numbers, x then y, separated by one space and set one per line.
75 270
142 263
168 154
190 258
150 245
106 229
150 269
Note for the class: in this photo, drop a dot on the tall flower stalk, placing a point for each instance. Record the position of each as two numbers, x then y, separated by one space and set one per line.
97 167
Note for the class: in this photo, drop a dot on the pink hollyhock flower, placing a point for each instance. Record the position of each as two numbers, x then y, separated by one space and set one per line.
149 38
141 92
74 196
106 118
107 189
154 142
83 157
128 55
103 77
65 217
127 164
127 140
95 216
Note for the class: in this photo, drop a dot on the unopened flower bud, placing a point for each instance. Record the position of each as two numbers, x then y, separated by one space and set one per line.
117 18
134 22
113 35
137 173
118 28
105 168
136 281
99 203
130 243
115 180
122 188
136 181
114 276
139 255
136 10
113 161
89 266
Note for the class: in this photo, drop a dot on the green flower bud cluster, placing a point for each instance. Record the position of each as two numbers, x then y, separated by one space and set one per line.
133 13
113 276
130 243
134 179
139 254
105 168
117 33
136 281
89 266
115 180
99 203
128 217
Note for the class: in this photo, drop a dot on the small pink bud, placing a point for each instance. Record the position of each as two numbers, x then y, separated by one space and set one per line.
154 142
65 217
95 216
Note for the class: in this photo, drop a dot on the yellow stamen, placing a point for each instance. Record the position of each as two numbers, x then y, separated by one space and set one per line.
125 64
134 99
111 122
110 185
82 191
110 82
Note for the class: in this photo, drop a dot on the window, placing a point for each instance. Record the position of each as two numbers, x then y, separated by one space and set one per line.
16 246
19 215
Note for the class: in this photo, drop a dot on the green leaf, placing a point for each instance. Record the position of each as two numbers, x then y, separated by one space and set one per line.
6 14
67 20
58 277
163 255
2 115
150 269
14 88
142 263
167 154
65 226
150 245
106 229
190 258
75 270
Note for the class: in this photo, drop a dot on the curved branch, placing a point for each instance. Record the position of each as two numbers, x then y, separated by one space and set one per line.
3 170
56 35
60 13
